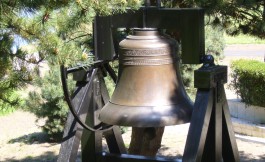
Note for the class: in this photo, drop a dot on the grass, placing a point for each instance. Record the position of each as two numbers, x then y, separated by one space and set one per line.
243 39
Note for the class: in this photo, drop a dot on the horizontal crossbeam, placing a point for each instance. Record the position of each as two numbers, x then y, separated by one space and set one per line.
106 157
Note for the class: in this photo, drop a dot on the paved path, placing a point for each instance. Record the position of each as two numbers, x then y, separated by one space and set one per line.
245 50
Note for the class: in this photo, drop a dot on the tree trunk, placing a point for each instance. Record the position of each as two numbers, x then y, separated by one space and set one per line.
146 141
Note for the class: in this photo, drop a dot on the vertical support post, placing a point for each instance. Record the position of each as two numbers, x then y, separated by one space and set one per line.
210 137
198 126
73 131
218 122
230 151
91 142
213 143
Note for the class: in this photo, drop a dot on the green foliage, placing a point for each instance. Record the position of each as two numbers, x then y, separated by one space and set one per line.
59 32
48 102
188 79
62 31
249 81
214 42
13 74
12 103
14 64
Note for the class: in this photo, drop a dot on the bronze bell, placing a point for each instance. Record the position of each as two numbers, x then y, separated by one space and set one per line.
149 91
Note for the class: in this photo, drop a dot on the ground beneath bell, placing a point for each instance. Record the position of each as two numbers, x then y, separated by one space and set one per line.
21 140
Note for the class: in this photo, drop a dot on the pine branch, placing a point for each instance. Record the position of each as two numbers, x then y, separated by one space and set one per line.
71 39
12 103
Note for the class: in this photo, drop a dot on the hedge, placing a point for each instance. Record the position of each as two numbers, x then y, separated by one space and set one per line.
248 80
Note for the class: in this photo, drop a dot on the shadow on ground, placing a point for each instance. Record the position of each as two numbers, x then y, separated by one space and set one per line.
36 137
246 157
51 157
46 157
168 155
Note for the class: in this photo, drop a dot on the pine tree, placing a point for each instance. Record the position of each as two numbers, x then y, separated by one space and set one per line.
47 102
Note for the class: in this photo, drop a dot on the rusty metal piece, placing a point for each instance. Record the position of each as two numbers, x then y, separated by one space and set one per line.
149 92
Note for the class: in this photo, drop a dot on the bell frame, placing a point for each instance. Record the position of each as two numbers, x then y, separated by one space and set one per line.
210 137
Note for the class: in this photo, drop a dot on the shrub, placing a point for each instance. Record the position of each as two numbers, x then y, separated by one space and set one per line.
249 81
47 102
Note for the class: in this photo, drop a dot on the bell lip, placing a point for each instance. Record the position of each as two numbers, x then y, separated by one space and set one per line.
146 116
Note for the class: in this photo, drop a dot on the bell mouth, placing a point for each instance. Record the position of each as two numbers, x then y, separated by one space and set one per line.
146 116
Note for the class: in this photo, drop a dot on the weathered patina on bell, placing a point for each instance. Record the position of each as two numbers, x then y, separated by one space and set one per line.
149 91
